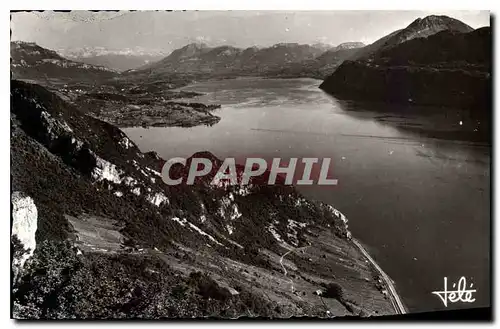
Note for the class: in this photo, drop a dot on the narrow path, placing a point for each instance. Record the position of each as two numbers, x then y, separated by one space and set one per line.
281 261
284 268
393 295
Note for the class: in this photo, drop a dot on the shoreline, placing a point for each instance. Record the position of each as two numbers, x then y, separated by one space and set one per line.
392 293
396 300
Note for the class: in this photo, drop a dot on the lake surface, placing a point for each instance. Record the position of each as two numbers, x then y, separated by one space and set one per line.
420 205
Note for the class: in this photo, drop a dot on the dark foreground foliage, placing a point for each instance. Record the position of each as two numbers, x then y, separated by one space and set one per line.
66 285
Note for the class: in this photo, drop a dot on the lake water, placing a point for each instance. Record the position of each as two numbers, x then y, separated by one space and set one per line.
420 205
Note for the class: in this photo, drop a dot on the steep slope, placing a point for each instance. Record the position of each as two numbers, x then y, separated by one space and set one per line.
113 241
420 28
424 27
449 68
445 48
30 61
366 51
331 59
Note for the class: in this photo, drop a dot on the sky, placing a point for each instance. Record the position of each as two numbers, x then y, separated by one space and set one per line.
165 31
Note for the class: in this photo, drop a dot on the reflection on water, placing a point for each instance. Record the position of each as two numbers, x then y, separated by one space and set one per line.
427 121
420 204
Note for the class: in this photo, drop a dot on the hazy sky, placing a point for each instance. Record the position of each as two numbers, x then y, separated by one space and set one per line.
169 30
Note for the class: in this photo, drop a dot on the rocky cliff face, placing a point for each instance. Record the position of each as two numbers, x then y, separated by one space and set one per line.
24 225
113 241
449 68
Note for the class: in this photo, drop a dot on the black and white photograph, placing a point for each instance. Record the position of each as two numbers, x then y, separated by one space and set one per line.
251 164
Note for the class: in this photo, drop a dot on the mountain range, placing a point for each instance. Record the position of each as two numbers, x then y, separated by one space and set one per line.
283 59
115 59
131 59
417 43
196 60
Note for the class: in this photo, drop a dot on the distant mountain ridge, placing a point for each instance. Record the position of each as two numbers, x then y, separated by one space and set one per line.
119 62
193 61
84 52
349 45
199 61
322 46
279 60
199 57
115 59
30 61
